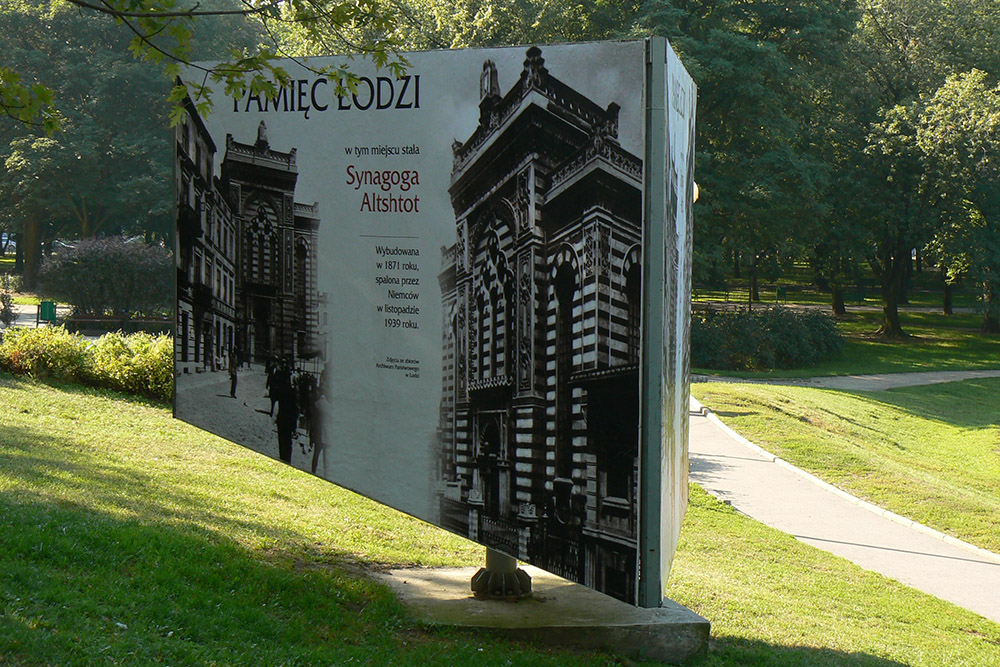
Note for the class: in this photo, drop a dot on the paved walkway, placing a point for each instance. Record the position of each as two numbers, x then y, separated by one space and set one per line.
776 493
27 314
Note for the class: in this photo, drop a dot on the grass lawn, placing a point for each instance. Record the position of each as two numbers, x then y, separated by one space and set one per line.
930 453
937 342
797 282
127 537
797 293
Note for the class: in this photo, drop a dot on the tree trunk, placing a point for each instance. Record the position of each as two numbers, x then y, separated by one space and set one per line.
948 310
920 264
991 321
891 272
837 291
32 247
891 327
753 287
736 264
19 253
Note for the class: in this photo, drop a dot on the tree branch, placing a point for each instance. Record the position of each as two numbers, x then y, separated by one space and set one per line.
184 13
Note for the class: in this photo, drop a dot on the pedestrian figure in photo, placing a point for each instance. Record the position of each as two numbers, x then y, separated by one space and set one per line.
316 411
233 377
306 387
272 371
319 409
287 419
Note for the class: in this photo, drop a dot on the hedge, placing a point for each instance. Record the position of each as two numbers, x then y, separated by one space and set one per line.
762 339
135 363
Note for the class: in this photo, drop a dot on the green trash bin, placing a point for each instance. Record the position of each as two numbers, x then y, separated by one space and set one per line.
46 313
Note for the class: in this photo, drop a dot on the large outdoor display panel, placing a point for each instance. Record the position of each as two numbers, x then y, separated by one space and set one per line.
463 293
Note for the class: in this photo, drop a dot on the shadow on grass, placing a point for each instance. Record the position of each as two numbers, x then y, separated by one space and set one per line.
57 469
732 651
80 587
726 414
966 404
17 383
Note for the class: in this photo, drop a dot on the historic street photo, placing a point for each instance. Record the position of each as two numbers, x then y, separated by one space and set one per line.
250 349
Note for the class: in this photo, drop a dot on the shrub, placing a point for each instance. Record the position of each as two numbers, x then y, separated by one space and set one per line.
137 363
49 352
763 339
110 276
7 312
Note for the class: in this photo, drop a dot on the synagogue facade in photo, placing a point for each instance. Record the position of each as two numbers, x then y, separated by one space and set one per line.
246 255
541 295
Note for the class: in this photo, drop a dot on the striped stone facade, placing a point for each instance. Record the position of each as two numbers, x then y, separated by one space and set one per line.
278 305
541 295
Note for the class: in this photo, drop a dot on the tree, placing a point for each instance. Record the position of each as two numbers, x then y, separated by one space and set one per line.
895 206
760 69
898 56
446 24
28 204
162 32
109 168
959 137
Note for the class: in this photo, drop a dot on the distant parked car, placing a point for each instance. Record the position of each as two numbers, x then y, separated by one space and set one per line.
7 241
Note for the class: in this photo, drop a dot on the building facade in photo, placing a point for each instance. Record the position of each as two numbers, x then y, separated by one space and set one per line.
246 256
205 254
278 304
541 294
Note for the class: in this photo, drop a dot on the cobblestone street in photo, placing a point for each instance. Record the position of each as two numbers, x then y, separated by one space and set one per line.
203 399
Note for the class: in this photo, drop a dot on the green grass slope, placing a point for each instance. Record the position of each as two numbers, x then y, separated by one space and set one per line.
129 538
930 453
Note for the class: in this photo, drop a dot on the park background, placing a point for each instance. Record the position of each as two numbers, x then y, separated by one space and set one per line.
847 156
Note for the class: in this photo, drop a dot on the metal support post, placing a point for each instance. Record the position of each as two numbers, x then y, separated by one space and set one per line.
501 578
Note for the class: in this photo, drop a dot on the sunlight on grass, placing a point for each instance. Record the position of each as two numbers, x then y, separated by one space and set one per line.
937 343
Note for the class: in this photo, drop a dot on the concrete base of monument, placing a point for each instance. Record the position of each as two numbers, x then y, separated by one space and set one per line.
559 613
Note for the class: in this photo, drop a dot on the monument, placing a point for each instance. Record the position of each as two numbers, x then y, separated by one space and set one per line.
481 316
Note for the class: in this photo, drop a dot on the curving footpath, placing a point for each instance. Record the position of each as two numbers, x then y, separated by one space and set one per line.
782 496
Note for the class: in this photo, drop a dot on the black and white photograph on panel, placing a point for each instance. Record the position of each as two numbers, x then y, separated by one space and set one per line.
250 349
541 294
427 290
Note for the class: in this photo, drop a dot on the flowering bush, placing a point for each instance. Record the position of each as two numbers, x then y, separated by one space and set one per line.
136 363
49 352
